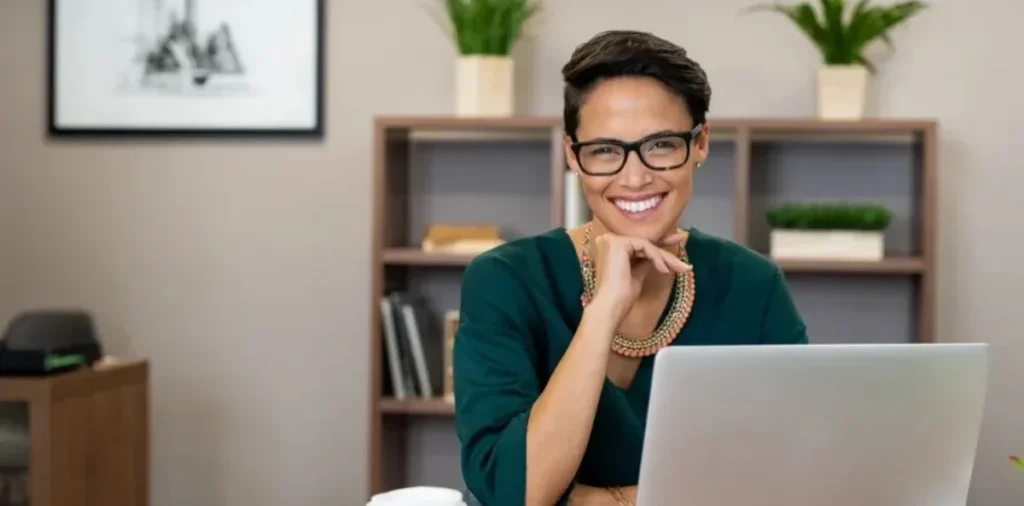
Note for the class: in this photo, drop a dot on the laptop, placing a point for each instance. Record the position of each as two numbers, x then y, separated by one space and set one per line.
813 425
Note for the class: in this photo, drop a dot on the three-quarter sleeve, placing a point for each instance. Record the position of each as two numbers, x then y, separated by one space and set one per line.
782 323
495 380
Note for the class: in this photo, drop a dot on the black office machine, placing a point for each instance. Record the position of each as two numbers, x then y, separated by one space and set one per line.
48 342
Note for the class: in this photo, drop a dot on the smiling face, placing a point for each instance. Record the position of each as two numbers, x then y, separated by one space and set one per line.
636 201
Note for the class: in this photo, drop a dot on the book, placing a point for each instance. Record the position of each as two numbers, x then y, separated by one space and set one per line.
417 364
402 378
392 351
451 327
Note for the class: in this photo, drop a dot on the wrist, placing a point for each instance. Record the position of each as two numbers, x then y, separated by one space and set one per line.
606 309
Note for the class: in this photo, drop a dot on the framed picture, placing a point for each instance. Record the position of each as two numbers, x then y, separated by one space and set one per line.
186 67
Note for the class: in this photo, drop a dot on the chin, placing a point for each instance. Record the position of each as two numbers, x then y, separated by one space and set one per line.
650 217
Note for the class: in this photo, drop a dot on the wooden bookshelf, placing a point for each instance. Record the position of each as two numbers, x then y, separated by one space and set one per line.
888 266
511 172
427 407
415 256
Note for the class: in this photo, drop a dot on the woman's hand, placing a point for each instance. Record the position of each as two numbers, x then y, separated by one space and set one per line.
625 262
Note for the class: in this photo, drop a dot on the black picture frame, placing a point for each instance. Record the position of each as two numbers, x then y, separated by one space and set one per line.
83 129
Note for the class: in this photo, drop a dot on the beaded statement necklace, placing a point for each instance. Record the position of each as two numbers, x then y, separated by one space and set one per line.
679 311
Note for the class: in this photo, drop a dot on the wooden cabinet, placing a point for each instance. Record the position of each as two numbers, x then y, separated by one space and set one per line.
89 435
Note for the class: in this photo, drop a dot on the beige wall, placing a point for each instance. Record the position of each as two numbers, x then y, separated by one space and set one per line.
240 268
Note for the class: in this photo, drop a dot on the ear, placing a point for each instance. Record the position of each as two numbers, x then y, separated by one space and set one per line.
702 144
570 157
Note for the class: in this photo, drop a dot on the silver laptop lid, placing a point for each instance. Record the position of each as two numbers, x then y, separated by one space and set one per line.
837 425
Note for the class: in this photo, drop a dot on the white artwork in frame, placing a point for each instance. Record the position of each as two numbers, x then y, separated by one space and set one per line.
186 67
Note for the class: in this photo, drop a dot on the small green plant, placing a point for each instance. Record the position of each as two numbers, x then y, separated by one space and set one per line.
841 36
486 27
830 216
1017 462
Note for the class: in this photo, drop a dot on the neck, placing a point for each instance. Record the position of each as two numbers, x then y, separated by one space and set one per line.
655 283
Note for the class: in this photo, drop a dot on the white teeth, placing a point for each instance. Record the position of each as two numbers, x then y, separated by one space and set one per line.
637 206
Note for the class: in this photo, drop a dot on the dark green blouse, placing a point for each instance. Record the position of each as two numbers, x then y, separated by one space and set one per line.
520 308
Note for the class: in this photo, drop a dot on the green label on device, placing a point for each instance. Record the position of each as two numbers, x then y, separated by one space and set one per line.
60 361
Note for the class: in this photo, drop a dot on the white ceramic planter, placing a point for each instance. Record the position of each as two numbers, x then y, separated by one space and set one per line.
827 245
842 92
484 86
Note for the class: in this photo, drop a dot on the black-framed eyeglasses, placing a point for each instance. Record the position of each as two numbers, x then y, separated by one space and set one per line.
660 151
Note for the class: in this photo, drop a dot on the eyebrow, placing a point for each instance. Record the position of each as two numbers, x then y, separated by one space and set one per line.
646 137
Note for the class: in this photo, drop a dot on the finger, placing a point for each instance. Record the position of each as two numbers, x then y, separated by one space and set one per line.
655 256
675 263
634 247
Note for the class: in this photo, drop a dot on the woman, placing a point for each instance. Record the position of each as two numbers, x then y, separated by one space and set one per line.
558 331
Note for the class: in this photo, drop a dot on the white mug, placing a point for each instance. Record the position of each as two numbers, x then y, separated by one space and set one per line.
419 496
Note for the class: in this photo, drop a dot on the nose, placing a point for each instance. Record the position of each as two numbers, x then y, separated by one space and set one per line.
635 174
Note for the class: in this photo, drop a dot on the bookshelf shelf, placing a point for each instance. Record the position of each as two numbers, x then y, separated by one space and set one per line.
453 124
892 265
423 407
810 126
415 256
511 172
887 266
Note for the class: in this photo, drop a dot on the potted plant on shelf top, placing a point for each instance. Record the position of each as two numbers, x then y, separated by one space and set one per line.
484 33
828 231
842 35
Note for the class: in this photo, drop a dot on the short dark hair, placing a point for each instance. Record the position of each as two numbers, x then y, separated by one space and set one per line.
630 53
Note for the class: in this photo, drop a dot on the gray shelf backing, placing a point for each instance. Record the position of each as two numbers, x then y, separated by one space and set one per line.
856 309
882 173
712 206
432 450
505 183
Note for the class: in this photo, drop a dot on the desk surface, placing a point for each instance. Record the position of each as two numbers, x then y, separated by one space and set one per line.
104 373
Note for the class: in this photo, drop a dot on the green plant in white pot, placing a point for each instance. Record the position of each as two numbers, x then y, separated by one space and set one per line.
484 33
828 231
842 34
